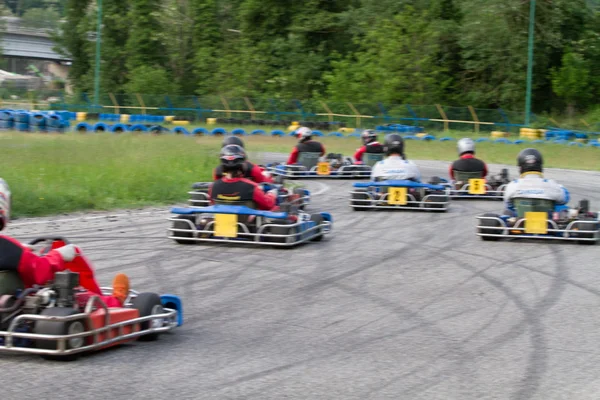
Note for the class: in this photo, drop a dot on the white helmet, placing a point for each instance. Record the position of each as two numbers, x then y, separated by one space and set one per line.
4 204
465 145
304 133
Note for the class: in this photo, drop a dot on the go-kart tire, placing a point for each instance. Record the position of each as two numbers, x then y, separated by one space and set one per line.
584 206
435 180
584 235
490 223
318 220
359 205
183 225
147 304
282 231
435 198
57 328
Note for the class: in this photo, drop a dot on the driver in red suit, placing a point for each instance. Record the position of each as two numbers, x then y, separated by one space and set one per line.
39 270
234 187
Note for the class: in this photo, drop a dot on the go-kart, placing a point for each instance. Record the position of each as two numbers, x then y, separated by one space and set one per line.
398 195
334 166
61 320
470 185
298 196
242 223
542 219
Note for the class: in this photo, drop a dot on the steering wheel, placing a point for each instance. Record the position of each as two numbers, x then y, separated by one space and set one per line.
48 238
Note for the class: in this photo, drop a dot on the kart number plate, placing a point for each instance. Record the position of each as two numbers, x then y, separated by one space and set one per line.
397 196
536 222
226 225
323 168
476 186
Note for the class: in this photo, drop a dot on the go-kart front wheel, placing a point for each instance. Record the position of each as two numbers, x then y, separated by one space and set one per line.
318 220
148 304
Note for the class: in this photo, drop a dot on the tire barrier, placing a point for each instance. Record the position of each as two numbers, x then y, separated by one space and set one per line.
101 127
119 128
180 130
238 132
277 132
218 132
258 132
200 132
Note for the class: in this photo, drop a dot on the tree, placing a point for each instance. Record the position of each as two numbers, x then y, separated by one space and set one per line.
145 44
150 80
572 80
115 32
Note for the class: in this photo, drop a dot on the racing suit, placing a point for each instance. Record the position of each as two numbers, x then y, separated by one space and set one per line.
373 147
241 190
533 185
395 168
468 163
39 270
310 146
251 171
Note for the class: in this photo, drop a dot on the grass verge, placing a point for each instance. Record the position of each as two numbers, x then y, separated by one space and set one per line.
51 174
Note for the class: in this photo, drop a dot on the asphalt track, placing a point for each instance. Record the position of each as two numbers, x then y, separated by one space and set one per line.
393 305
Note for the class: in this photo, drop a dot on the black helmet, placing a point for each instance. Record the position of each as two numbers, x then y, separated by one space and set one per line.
232 158
368 136
233 140
394 144
530 160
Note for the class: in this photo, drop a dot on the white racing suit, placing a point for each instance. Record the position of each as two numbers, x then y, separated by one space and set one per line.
533 185
395 168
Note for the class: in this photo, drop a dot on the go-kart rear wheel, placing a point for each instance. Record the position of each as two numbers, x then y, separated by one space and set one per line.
148 304
490 223
436 199
585 227
318 220
283 230
59 328
360 200
183 225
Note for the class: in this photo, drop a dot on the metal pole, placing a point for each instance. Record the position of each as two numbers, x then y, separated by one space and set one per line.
98 47
529 61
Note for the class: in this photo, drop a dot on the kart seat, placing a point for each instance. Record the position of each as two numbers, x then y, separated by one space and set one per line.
464 176
241 218
523 205
309 160
371 159
10 282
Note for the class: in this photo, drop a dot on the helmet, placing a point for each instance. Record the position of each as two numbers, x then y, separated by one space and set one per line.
232 158
4 204
530 160
368 136
233 140
465 145
304 133
393 144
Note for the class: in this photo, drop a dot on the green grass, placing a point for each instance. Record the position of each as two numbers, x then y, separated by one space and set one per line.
50 174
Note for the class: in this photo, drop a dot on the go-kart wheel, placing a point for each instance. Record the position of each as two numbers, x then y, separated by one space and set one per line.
282 230
436 199
490 223
585 227
584 206
435 180
59 328
318 220
148 304
360 200
183 225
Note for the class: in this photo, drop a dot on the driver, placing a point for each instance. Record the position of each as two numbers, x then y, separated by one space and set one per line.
395 166
532 184
39 270
234 187
370 145
305 145
251 171
467 161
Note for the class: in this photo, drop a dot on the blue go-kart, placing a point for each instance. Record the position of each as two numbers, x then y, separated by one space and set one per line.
470 185
542 219
241 223
297 196
399 195
334 166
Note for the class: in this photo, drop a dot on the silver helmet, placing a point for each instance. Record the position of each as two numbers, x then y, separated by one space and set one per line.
465 145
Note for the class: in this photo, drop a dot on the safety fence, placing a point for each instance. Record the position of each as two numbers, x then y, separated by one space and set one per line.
268 111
